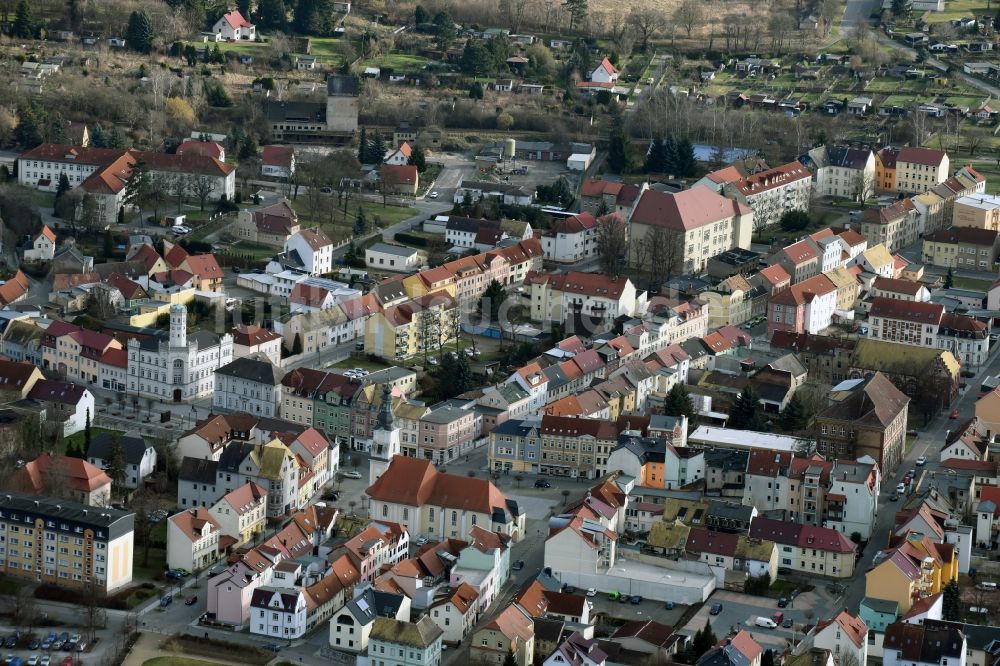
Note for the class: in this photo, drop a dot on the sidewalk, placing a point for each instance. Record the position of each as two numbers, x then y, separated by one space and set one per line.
148 647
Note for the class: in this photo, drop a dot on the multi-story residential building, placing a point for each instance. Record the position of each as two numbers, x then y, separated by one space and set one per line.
192 539
309 251
180 368
930 212
377 547
447 431
511 632
929 642
800 260
253 339
915 569
351 626
418 326
808 549
851 502
928 325
241 514
730 303
515 446
140 455
95 546
317 452
74 352
570 445
902 290
400 643
844 635
572 239
774 192
455 611
683 230
865 417
885 169
278 612
104 172
981 211
558 297
894 226
438 504
842 172
21 341
876 260
806 307
968 248
726 552
17 378
251 384
920 169
270 225
64 477
67 406
485 565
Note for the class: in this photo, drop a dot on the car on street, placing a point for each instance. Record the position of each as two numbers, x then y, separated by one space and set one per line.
351 474
183 572
172 575
635 600
669 605
921 461
782 602
569 589
326 190
518 565
273 647
954 414
433 195
894 497
75 638
542 483
10 642
191 601
46 644
421 541
715 609
591 591
787 624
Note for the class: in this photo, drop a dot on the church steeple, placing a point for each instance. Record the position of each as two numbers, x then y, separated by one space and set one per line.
385 409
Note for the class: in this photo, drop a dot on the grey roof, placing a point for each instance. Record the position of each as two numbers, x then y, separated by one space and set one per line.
881 605
198 470
978 636
646 449
661 422
108 524
788 363
234 454
342 85
730 510
254 368
727 459
395 250
135 447
516 427
203 339
303 112
445 413
388 375
371 604
556 377
420 634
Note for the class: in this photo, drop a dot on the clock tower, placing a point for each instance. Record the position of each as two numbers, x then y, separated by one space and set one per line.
385 438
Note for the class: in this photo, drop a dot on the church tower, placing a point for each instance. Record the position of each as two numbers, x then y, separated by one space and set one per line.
385 438
178 326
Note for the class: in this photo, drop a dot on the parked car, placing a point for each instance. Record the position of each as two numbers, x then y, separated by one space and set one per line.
782 602
166 600
518 565
542 483
669 605
921 461
273 647
81 646
34 644
635 600
787 624
433 195
421 541
954 414
715 609
901 488
591 591
894 497
10 642
569 589
778 618
191 601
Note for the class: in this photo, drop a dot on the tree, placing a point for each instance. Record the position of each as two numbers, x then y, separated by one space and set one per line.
86 433
315 17
272 14
492 299
688 15
565 494
139 33
647 21
476 59
25 608
179 112
418 158
901 8
767 659
137 187
611 244
863 186
444 30
619 159
949 279
201 187
504 121
22 26
455 376
117 464
297 344
678 403
90 216
794 416
360 222
951 604
704 640
687 164
363 146
216 95
509 659
656 157
62 188
746 412
793 220
420 16
577 11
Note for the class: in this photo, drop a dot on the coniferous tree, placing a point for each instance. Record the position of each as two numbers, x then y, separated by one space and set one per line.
272 14
62 188
654 158
678 402
949 279
767 659
670 156
363 145
951 603
687 165
139 33
746 413
22 26
793 417
360 222
619 160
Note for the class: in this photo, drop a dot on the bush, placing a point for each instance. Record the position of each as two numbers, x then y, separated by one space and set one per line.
795 220
404 237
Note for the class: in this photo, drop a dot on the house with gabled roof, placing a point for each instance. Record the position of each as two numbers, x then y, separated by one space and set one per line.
233 27
845 635
351 625
192 539
511 631
64 476
140 455
241 515
807 548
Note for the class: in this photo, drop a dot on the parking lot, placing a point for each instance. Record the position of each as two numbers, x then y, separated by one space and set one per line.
740 611
646 610
42 648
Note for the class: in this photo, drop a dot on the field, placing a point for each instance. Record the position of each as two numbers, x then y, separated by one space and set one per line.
342 226
399 63
954 9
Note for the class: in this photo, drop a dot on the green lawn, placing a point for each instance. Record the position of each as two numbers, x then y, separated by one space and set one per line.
954 9
255 49
398 62
257 252
178 661
326 50
78 438
342 226
970 283
154 568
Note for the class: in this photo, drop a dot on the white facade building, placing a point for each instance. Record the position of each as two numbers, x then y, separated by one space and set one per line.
251 384
181 368
278 613
192 539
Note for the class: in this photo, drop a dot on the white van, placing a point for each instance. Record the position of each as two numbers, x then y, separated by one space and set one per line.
766 622
986 585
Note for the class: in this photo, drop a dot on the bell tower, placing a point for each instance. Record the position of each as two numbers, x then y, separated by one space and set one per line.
385 438
178 326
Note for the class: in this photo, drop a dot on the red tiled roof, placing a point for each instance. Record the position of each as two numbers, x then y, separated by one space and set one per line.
765 462
204 266
897 286
893 308
206 148
48 233
252 335
701 540
595 187
804 292
568 426
14 375
686 210
415 482
192 521
76 473
924 156
399 174
308 295
969 235
763 181
277 155
236 20
14 288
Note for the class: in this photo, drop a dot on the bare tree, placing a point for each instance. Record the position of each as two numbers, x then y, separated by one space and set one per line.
25 609
611 244
688 15
647 21
974 138
863 187
95 617
201 187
